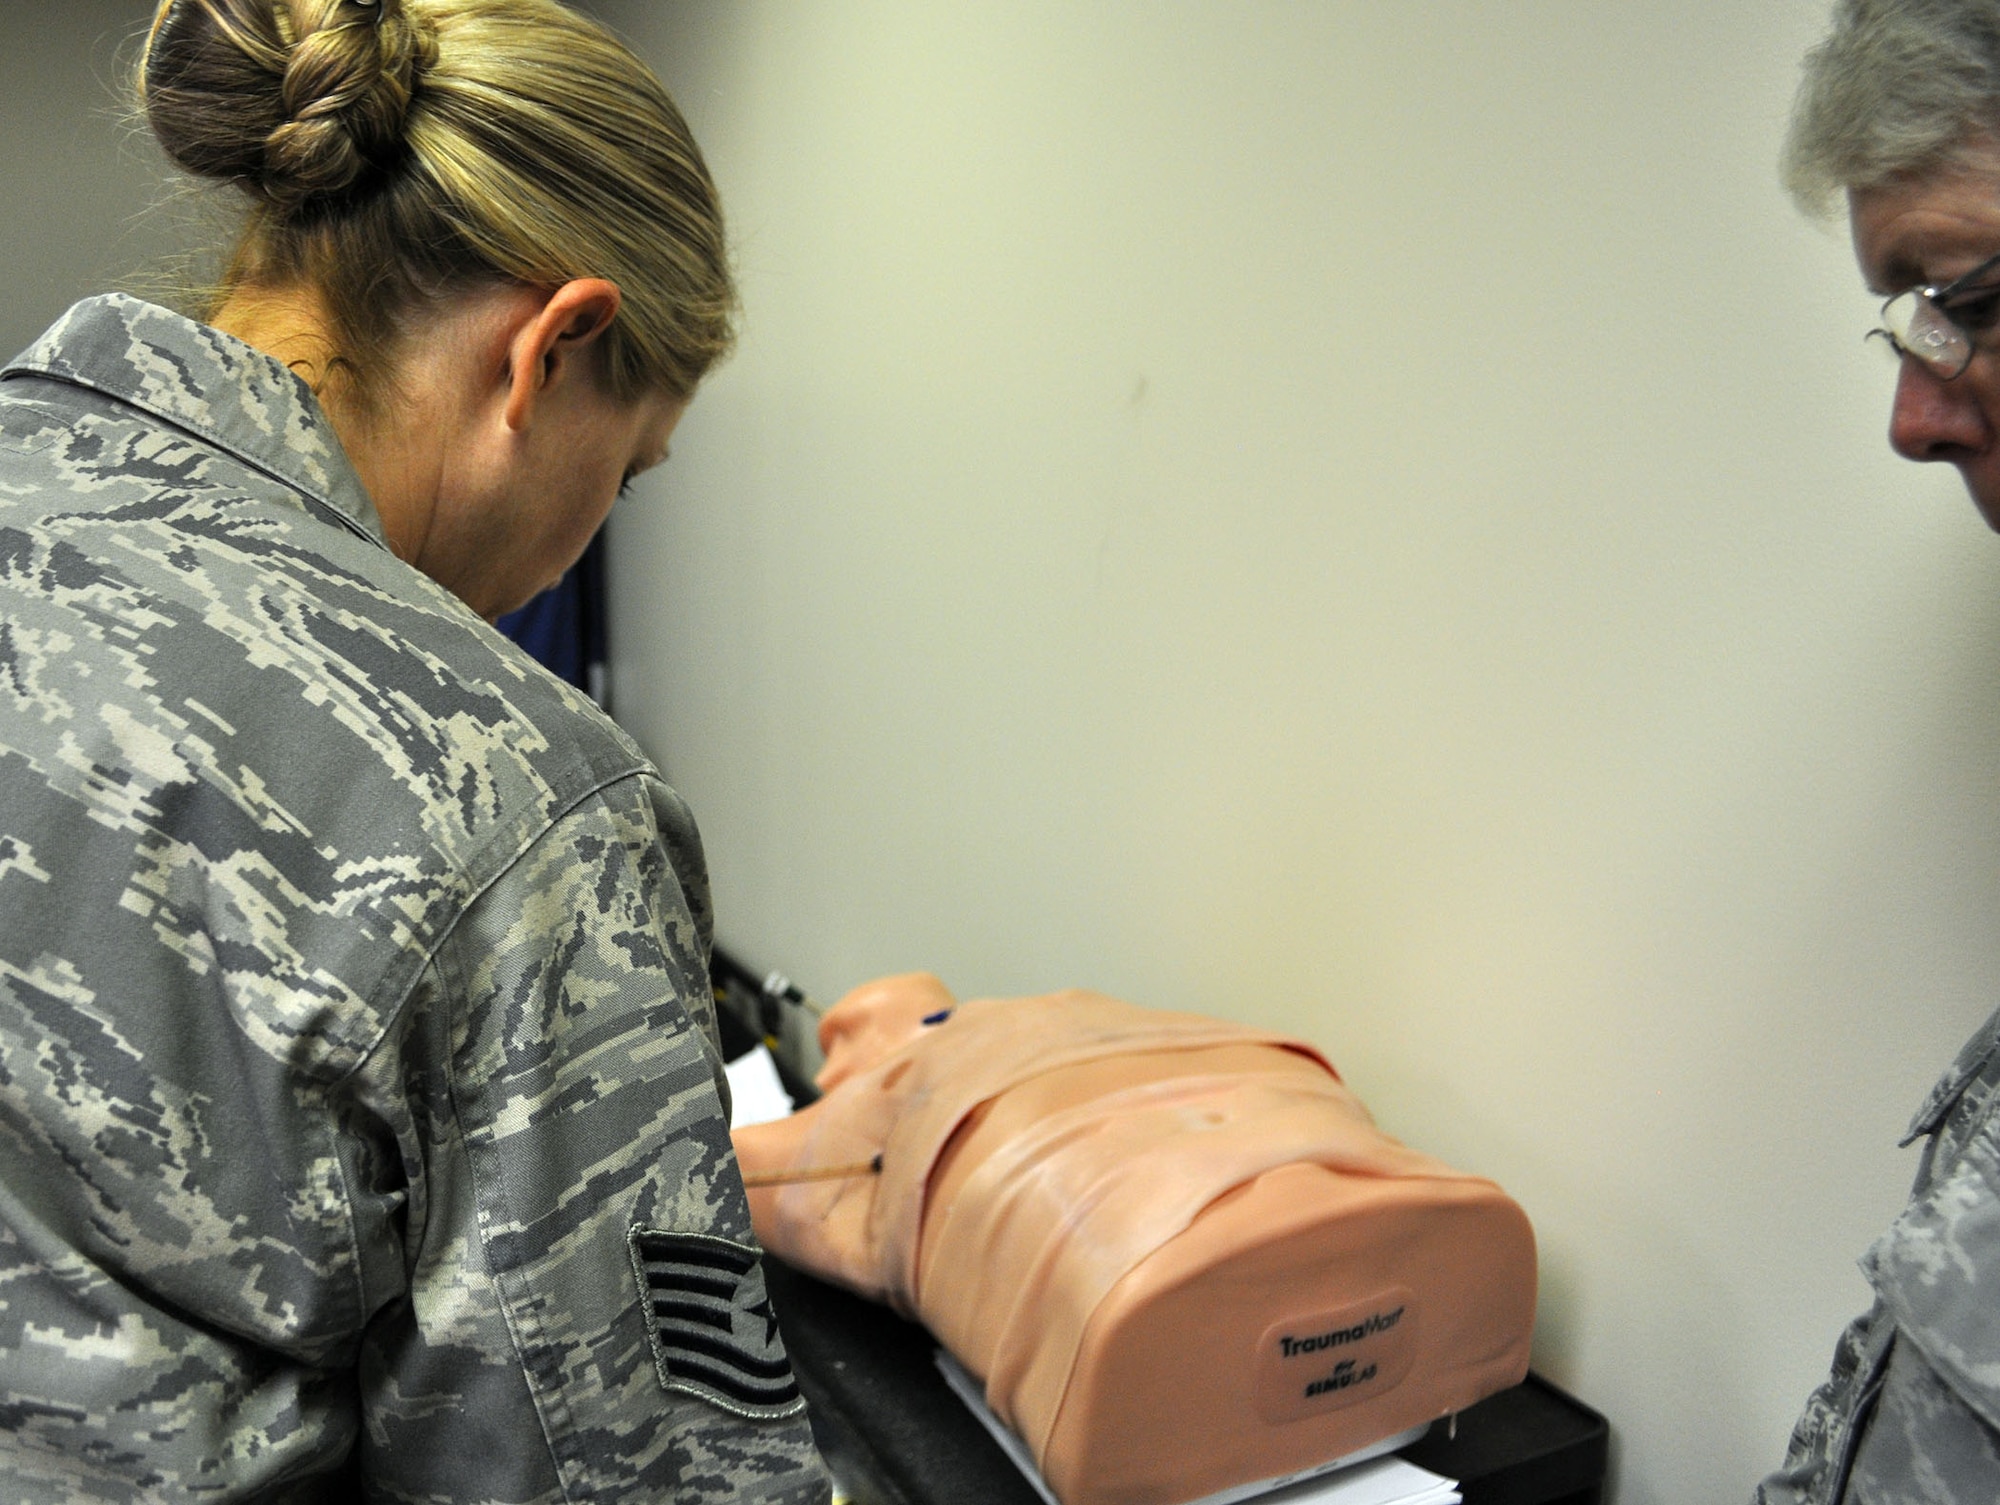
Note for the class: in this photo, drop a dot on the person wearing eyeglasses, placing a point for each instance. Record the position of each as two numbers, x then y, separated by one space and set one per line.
1898 120
1944 408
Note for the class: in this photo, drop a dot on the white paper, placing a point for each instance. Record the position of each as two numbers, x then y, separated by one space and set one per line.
1361 1478
756 1096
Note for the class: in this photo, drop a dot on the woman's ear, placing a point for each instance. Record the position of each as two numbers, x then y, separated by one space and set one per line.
547 343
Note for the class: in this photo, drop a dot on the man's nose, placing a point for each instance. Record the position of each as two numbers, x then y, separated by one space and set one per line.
1935 419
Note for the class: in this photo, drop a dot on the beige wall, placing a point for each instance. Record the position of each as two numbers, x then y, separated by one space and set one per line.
1371 519
87 201
1367 518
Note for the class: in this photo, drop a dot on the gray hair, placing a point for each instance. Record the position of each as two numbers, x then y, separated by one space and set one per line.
1898 87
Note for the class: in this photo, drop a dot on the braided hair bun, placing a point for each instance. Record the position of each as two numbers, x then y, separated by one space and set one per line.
300 101
401 153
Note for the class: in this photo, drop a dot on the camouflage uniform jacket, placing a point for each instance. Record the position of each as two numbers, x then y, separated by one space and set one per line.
360 1127
1912 1411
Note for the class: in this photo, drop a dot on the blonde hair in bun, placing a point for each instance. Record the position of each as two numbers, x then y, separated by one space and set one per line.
397 151
298 100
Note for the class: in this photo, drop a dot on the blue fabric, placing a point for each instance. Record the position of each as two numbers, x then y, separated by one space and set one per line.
563 627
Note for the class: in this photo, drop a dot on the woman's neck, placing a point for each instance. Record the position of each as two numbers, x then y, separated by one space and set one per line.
382 439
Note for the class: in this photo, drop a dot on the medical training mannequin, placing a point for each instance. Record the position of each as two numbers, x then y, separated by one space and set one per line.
1176 1251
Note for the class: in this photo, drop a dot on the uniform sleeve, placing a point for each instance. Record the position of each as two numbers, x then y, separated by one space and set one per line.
585 1317
1935 1436
1822 1444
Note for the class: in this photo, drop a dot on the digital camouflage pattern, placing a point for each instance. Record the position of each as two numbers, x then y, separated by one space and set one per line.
353 990
1911 1414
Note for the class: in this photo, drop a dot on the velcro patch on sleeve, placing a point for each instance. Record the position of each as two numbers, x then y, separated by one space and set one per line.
709 1318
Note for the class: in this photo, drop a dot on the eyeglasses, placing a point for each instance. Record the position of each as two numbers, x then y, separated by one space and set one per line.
1941 326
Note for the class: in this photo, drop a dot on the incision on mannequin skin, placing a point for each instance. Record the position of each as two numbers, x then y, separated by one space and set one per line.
1170 1247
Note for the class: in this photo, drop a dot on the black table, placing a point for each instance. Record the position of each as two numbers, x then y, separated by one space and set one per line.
896 1434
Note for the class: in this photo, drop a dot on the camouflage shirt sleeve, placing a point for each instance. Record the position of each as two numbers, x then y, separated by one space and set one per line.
1911 1412
571 1098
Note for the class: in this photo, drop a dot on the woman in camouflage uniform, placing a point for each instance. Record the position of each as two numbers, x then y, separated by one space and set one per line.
360 1119
1899 116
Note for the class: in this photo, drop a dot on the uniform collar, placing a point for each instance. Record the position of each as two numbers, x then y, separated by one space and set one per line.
1972 1060
211 384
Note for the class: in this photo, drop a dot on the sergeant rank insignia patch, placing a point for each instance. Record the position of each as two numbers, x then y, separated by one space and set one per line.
713 1332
